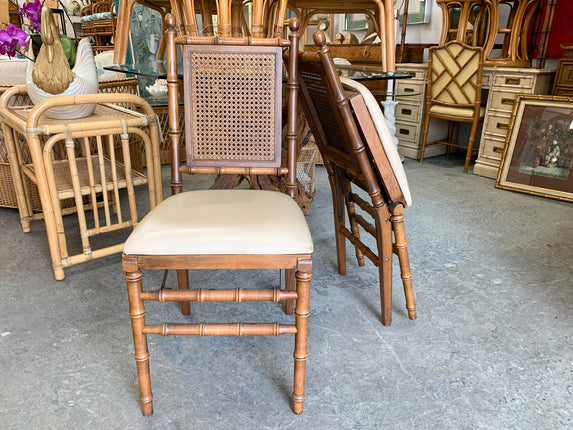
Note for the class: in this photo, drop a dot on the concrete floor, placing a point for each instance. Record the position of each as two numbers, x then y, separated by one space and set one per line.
491 348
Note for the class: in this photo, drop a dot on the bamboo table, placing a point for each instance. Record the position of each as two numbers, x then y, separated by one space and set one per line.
85 159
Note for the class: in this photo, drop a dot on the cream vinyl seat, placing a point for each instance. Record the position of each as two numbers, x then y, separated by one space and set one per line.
222 222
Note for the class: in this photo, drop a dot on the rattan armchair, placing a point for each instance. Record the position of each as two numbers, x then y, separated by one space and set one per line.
357 150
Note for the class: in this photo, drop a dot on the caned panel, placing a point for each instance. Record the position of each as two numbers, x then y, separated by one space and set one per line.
233 101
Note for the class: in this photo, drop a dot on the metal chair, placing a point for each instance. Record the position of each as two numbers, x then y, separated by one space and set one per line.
357 149
233 106
454 93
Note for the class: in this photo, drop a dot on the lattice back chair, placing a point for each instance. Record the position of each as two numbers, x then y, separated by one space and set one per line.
357 149
232 102
454 93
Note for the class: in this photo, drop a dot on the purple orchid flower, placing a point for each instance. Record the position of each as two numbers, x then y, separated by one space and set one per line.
34 13
11 39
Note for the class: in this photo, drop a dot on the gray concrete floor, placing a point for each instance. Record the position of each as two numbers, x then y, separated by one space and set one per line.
491 348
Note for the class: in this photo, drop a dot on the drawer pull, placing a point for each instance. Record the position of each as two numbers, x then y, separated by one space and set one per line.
407 111
502 125
506 101
498 149
408 90
404 131
512 81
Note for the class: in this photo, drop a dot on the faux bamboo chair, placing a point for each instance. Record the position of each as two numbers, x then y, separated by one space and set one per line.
454 93
233 108
357 149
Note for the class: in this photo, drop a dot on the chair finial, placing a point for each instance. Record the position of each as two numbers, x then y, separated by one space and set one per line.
293 24
170 20
319 38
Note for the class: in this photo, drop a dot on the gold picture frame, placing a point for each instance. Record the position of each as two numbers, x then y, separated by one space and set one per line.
538 153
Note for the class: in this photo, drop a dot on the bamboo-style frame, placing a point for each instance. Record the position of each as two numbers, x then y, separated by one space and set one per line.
90 174
536 122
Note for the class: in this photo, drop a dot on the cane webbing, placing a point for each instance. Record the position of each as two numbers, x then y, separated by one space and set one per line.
235 110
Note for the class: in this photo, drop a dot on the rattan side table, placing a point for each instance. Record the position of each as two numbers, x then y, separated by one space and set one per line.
85 159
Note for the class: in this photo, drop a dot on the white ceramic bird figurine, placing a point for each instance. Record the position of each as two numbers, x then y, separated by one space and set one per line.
51 74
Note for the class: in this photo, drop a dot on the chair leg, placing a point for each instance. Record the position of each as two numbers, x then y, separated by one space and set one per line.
353 224
384 243
183 283
450 138
471 141
289 286
401 249
302 311
339 221
137 314
424 136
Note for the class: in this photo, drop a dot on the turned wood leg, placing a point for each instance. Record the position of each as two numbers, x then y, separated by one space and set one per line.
401 250
183 283
137 314
301 321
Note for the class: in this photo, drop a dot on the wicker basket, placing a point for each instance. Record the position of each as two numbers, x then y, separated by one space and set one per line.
305 166
7 192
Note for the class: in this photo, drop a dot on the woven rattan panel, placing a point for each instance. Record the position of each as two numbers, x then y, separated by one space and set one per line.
233 100
326 113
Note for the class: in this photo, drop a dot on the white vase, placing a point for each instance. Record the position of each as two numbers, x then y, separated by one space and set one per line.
85 82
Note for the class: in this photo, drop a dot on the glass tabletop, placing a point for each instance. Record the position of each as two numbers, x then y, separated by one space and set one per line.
153 87
158 70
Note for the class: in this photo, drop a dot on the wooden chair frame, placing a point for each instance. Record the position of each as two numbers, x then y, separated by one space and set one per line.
352 154
297 266
454 87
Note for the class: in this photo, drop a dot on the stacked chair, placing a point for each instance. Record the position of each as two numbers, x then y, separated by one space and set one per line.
357 149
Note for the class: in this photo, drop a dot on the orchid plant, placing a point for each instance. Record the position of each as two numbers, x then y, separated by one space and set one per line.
13 38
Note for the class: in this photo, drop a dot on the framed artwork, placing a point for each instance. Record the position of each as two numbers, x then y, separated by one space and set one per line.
538 153
418 11
355 21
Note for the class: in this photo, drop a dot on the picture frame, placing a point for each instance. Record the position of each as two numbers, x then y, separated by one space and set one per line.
538 153
419 12
355 21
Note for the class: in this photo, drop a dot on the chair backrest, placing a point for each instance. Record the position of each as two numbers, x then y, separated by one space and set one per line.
455 75
345 128
233 105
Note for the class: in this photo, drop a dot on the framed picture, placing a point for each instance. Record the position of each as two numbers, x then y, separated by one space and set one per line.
538 153
355 21
418 12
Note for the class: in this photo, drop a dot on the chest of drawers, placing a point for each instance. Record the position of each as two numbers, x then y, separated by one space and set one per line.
502 84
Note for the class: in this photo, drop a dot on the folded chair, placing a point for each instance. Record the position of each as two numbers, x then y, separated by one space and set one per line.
233 105
357 149
454 93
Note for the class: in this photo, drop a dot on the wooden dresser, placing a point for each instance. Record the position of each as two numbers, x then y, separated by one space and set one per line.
563 85
503 83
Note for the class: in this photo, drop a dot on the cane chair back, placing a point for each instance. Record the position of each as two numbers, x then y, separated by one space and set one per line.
232 104
454 93
357 149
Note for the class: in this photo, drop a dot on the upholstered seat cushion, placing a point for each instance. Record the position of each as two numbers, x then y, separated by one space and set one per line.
455 111
222 222
384 135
